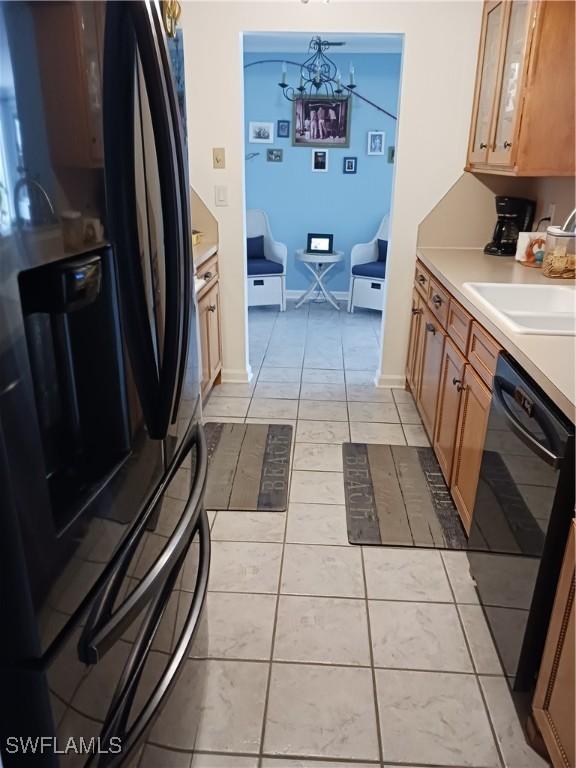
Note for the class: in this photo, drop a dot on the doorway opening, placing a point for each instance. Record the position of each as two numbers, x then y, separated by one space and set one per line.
320 115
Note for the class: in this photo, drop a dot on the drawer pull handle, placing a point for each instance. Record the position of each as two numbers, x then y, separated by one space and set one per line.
431 328
437 300
483 145
458 384
507 144
421 279
212 308
416 311
207 276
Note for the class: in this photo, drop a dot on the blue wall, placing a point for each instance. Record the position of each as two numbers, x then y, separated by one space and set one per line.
298 200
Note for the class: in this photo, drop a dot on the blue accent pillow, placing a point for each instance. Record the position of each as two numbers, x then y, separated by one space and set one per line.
255 247
382 250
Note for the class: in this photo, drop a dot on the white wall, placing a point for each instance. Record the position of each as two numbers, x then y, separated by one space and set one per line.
440 49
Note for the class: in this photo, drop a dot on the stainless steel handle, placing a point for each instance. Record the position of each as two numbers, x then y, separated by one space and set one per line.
207 276
507 145
483 145
421 279
416 311
212 308
431 328
458 384
437 300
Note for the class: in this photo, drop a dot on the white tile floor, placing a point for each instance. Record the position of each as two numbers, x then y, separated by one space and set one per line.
324 654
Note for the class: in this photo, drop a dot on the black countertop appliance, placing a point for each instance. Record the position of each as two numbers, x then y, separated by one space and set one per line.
515 214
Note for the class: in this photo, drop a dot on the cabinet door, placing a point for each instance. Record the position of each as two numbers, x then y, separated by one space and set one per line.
451 380
432 348
486 81
553 703
509 99
413 345
470 434
204 324
215 352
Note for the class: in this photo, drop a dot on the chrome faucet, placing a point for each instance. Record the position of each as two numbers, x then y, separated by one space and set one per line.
39 194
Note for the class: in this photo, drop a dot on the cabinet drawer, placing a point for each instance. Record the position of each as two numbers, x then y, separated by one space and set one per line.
421 280
208 271
483 353
438 301
458 325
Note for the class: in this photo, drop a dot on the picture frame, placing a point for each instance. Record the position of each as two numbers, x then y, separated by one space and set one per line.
376 143
260 133
274 155
331 130
349 165
320 160
283 129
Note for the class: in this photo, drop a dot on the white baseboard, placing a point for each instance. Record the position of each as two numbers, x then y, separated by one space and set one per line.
297 294
388 381
236 375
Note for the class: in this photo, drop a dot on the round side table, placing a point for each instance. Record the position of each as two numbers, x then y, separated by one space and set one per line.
319 264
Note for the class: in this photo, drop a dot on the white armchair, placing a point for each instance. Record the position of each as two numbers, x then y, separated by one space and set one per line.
367 273
267 275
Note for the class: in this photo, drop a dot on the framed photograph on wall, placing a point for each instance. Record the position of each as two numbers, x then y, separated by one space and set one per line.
283 129
376 142
321 121
319 160
260 133
350 165
274 155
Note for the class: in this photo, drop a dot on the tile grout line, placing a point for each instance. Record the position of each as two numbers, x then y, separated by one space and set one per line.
475 672
373 671
274 629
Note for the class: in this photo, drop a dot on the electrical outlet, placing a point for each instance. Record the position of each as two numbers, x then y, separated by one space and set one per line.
218 158
551 212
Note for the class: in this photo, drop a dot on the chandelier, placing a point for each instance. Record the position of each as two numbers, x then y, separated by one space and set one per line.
319 75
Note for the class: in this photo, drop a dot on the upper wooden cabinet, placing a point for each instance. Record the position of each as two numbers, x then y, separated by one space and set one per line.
71 76
523 116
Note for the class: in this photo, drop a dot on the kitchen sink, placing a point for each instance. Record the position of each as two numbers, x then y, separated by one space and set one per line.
537 309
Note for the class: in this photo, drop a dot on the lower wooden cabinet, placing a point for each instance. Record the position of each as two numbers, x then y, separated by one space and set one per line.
210 344
449 395
553 704
432 335
469 444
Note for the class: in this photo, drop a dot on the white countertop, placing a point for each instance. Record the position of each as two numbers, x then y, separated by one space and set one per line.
549 360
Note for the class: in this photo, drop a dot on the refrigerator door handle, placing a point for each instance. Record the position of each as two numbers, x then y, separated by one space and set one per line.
499 385
120 710
133 26
105 625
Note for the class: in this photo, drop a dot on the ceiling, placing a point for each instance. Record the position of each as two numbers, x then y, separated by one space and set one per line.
297 42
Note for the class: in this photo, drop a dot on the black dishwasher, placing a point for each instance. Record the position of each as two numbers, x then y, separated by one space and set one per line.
523 510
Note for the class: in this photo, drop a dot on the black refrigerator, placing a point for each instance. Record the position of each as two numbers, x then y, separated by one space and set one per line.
104 542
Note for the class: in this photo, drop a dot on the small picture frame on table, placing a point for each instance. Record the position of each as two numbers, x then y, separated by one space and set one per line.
319 160
376 142
350 165
283 129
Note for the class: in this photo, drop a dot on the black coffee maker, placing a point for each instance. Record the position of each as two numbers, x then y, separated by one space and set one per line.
515 214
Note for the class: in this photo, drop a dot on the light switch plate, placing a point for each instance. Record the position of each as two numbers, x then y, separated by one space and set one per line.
221 195
218 158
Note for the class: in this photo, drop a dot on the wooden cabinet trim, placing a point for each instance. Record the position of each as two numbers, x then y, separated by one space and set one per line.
458 325
422 280
438 301
558 631
448 406
432 342
464 487
209 267
483 353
